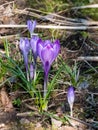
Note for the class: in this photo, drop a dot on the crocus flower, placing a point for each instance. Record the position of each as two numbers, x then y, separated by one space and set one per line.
71 98
31 26
47 52
25 48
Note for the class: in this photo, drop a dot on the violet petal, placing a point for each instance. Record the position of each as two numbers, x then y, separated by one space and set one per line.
33 42
24 45
31 26
71 95
47 54
56 47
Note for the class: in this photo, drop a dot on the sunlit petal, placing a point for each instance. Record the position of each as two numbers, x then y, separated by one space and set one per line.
71 95
40 47
24 45
47 54
56 47
46 42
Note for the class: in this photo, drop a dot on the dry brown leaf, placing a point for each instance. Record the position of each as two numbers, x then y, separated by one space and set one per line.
8 20
8 11
6 102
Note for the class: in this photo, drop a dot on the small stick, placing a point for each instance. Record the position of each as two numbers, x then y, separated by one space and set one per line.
87 58
9 36
30 107
24 114
79 121
86 6
50 27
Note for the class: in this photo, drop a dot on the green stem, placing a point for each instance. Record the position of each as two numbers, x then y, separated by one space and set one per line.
45 85
35 67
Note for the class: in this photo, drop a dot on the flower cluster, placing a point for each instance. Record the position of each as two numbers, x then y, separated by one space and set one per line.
46 50
26 45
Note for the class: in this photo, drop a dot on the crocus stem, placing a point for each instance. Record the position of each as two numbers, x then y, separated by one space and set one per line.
31 35
45 84
35 73
35 66
27 74
71 111
26 65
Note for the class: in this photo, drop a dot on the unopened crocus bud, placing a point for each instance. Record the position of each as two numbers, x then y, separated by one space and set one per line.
71 98
25 48
31 71
31 26
24 45
33 42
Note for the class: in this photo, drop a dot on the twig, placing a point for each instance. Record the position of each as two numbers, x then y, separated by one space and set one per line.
55 18
30 107
27 100
9 36
87 58
92 93
72 21
93 68
24 114
51 26
12 26
86 6
18 11
85 123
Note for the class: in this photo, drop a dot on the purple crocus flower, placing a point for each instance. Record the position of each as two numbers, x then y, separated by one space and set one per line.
31 26
47 52
25 48
71 98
